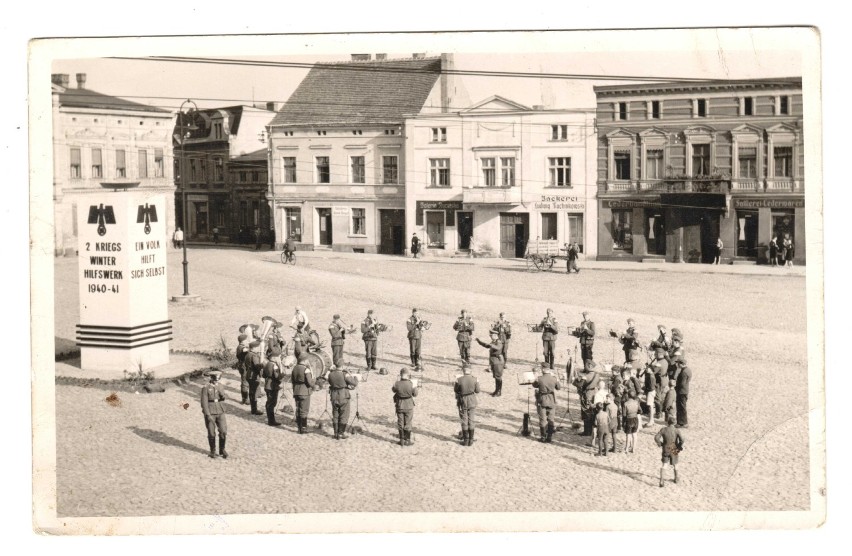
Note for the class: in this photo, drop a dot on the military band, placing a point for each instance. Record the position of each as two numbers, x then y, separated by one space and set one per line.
339 385
272 374
586 335
254 366
549 330
545 402
466 388
242 352
338 338
415 327
630 343
404 393
464 328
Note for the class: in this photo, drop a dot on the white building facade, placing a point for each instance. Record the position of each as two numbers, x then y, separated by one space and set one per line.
488 179
102 142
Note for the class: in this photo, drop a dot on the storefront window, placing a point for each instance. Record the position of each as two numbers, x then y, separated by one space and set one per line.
784 224
655 232
622 234
548 225
359 221
292 223
435 229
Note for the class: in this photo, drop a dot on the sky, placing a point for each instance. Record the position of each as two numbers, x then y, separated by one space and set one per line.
729 54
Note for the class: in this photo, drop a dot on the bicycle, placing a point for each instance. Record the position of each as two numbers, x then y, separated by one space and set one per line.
285 259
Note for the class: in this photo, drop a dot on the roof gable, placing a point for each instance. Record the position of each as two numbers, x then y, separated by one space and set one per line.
496 103
374 92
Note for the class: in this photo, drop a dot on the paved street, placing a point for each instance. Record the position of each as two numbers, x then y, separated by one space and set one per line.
747 444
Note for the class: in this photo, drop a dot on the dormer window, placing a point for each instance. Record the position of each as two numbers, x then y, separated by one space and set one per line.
321 132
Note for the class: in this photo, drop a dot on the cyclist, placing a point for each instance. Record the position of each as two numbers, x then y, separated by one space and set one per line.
290 247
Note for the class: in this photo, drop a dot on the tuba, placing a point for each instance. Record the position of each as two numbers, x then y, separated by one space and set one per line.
265 329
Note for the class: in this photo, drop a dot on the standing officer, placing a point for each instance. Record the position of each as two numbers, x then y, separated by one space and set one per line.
464 327
370 335
272 375
587 385
302 380
545 402
339 384
415 325
242 351
504 333
253 369
403 399
495 361
549 330
466 389
338 337
212 396
684 377
586 334
630 343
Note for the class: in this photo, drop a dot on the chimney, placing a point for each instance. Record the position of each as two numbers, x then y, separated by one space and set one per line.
81 80
381 56
361 57
60 79
272 106
418 55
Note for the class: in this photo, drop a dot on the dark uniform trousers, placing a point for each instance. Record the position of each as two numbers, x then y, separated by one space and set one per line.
253 369
549 352
414 349
214 416
242 351
340 411
680 402
302 382
464 350
271 402
586 352
545 401
370 351
337 355
466 388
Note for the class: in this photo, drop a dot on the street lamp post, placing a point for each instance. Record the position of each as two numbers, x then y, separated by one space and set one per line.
191 127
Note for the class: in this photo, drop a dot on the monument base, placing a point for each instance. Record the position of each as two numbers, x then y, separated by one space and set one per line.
130 360
190 298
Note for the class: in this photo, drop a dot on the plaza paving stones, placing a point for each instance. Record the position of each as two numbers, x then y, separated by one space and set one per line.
747 443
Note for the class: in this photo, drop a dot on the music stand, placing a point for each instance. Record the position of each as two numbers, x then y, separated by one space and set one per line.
357 415
324 411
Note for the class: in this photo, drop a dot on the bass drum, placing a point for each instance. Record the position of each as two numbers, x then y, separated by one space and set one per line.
313 338
319 362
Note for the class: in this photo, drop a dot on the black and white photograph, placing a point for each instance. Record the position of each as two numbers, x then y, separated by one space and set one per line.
443 282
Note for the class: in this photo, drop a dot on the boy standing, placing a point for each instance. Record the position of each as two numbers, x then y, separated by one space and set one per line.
670 439
602 428
612 410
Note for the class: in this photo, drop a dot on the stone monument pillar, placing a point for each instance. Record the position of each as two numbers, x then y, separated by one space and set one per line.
124 320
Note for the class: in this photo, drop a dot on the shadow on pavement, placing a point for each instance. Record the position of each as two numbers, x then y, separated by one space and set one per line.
162 438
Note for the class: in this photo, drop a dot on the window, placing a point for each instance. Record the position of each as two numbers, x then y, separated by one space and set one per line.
76 164
292 223
700 160
654 164
218 169
489 172
193 170
622 165
255 177
357 169
783 162
560 171
203 169
390 169
323 170
120 164
701 108
748 106
218 131
435 229
548 225
655 109
784 105
359 222
558 132
622 232
289 169
575 230
439 135
622 110
243 176
507 168
747 161
97 163
439 171
159 164
143 163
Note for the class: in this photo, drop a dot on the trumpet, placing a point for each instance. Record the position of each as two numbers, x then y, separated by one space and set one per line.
424 324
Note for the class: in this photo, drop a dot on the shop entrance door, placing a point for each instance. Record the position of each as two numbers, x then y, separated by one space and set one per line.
324 217
465 228
747 224
655 232
392 232
709 235
514 234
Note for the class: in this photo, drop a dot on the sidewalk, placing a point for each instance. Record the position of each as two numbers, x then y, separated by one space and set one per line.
558 267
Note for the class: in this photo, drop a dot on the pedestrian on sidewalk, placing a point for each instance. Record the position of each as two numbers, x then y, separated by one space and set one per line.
177 239
788 251
212 396
257 238
773 250
415 245
216 235
573 254
670 439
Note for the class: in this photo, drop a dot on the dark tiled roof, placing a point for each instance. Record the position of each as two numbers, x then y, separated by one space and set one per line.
373 92
258 155
86 98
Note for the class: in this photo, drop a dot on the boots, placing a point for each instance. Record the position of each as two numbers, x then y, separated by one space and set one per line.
408 441
211 440
661 479
542 435
550 430
303 423
465 437
336 435
341 431
245 400
254 409
470 437
401 437
222 451
675 474
499 387
373 364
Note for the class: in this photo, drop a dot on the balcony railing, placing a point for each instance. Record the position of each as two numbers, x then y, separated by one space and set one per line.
748 184
491 195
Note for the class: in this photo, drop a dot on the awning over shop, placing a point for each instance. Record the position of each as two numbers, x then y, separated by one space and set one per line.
713 201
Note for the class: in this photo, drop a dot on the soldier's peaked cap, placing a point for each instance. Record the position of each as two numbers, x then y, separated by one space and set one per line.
369 311
215 374
585 313
336 316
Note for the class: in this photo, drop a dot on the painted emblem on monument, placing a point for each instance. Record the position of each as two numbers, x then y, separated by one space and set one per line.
147 214
100 215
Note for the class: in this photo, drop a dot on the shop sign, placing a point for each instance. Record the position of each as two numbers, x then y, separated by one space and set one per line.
450 207
560 202
623 204
769 203
340 211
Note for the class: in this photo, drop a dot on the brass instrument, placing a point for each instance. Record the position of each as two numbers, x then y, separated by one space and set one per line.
424 324
268 324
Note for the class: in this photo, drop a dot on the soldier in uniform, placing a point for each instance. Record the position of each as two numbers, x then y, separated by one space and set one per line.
464 326
272 375
338 338
414 336
675 352
549 330
587 386
253 369
370 335
212 396
275 340
403 400
339 385
495 361
242 351
663 339
586 334
630 342
684 377
466 389
504 334
660 367
302 380
545 402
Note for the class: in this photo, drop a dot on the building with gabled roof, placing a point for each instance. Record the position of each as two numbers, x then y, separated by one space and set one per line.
337 156
104 141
